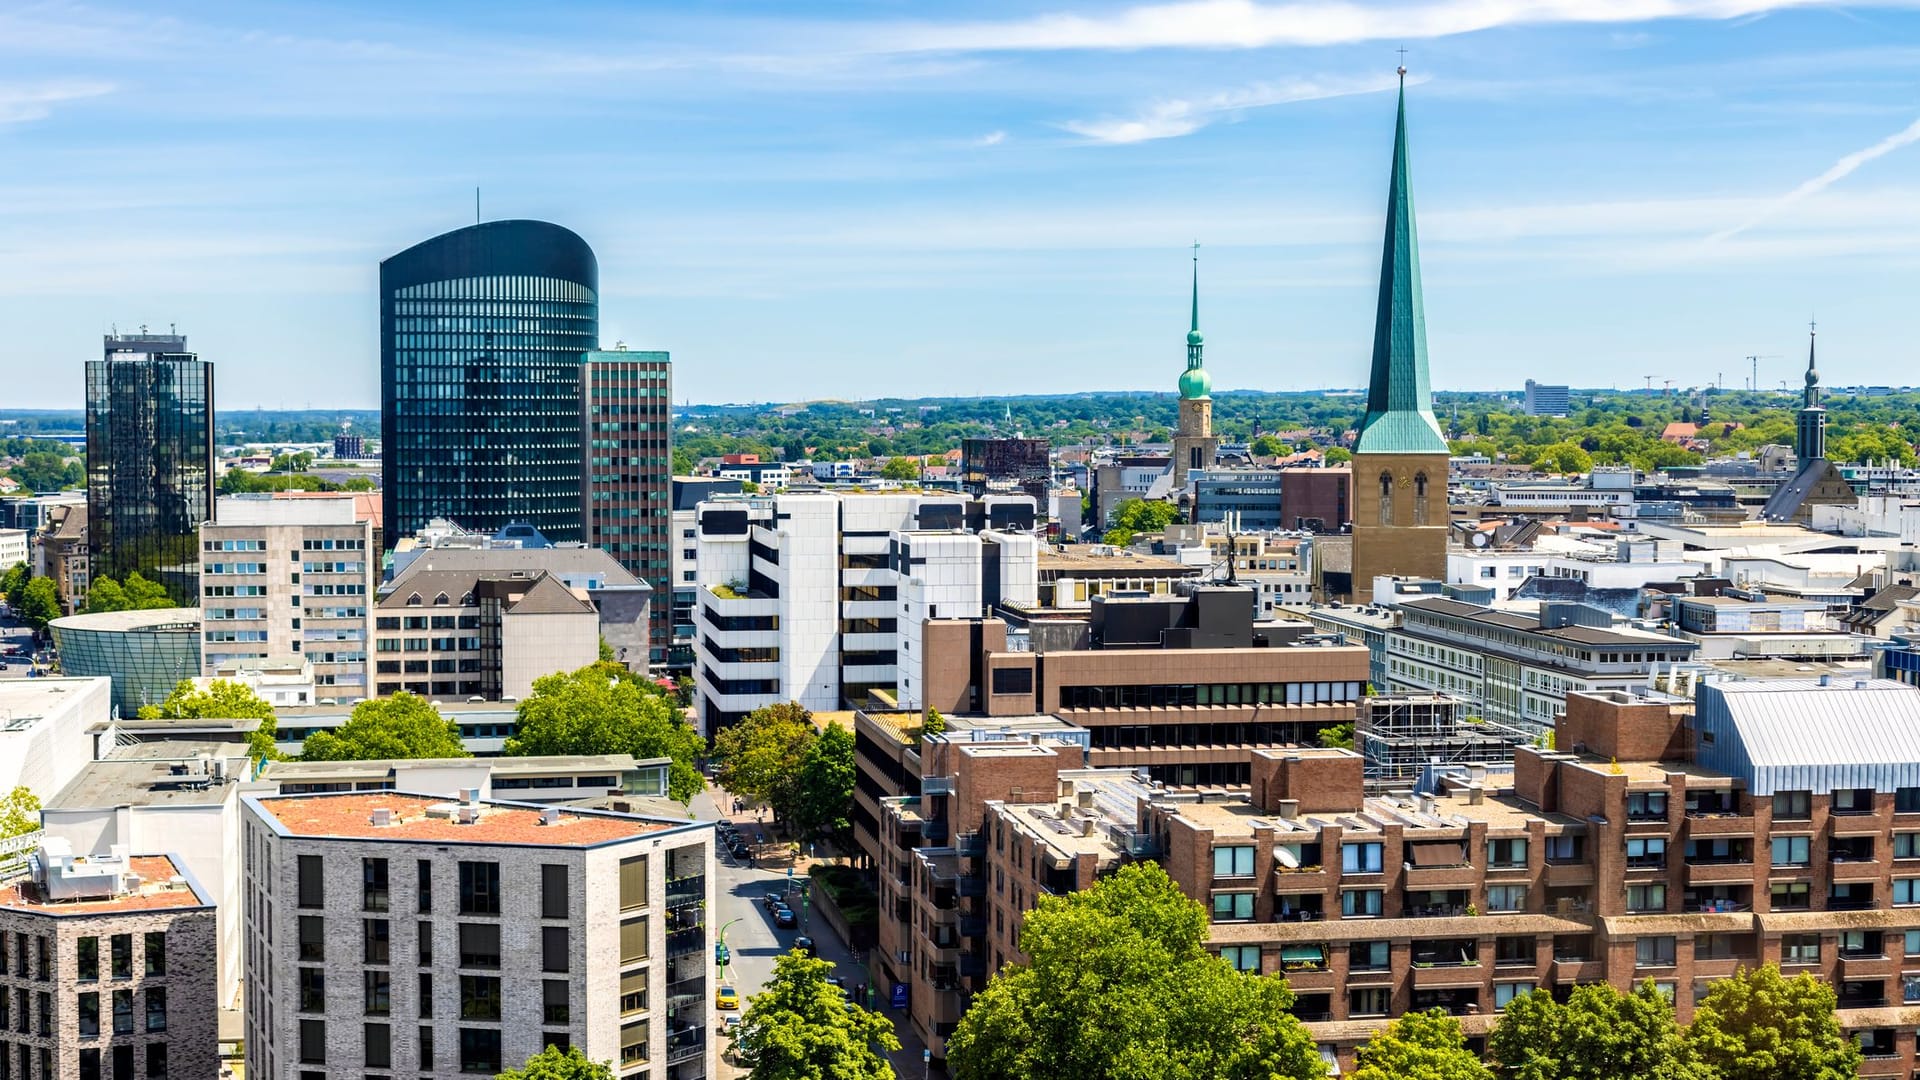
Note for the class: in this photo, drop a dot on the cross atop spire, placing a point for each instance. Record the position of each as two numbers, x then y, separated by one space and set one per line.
1399 418
1196 287
1195 382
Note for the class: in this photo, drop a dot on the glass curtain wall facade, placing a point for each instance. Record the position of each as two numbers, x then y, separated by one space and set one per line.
629 474
149 460
482 337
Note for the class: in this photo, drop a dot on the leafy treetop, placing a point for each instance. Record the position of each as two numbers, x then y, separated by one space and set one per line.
800 1028
554 1063
223 699
401 726
604 709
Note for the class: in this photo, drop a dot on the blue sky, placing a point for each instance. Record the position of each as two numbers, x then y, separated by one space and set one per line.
812 201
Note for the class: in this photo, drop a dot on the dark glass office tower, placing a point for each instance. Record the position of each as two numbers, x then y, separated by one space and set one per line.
630 473
149 460
482 337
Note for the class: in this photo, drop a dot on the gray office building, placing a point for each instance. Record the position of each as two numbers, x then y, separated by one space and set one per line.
1544 400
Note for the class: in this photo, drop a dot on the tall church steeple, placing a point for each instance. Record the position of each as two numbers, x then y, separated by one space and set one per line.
1195 382
1193 442
1810 436
1399 418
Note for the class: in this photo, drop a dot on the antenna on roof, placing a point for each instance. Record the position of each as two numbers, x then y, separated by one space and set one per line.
476 204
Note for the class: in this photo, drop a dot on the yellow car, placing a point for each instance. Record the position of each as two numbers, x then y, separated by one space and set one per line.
726 998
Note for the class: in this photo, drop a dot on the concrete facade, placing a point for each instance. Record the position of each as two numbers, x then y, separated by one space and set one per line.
1399 518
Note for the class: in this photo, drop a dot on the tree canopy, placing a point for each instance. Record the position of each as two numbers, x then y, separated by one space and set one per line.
401 726
604 709
1598 1034
799 1027
14 582
1136 516
223 699
39 603
1121 985
554 1063
825 790
901 468
1758 1025
106 594
760 757
19 813
1419 1046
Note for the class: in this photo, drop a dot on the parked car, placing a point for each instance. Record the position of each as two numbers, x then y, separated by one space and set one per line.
721 954
783 917
805 945
726 998
740 851
775 897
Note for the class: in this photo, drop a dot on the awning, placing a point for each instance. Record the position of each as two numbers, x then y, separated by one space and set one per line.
1443 853
1288 856
1302 954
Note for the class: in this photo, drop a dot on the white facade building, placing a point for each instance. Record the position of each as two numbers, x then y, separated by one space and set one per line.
393 933
14 549
44 725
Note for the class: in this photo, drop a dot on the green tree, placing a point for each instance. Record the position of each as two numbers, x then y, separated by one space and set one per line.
401 726
48 471
39 603
1757 1025
824 792
1267 446
1564 457
800 1028
357 483
760 756
1599 1034
1337 455
1337 736
14 582
1135 516
142 593
1419 1046
554 1063
933 724
223 699
19 813
105 594
603 709
606 652
1121 985
901 468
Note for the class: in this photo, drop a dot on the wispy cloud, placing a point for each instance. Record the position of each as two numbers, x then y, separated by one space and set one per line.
1840 171
1245 24
991 138
19 104
1183 116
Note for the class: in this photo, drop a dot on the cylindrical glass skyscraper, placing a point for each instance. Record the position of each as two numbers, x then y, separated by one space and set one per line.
483 332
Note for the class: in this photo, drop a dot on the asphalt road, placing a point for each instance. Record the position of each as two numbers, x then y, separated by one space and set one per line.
14 634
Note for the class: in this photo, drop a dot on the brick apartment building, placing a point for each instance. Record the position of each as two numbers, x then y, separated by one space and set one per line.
1672 841
107 970
393 932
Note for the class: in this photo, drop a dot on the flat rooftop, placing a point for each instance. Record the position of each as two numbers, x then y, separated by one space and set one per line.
1792 668
969 729
156 892
148 781
430 818
297 771
1082 557
30 699
172 619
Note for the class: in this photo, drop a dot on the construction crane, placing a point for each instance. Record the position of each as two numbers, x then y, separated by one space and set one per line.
1753 383
1649 379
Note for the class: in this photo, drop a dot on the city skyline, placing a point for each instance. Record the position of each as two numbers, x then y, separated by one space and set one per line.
858 204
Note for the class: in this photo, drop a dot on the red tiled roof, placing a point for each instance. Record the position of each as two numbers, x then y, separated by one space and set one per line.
153 895
351 815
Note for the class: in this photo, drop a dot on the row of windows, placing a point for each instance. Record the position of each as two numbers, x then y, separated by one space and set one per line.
1194 696
333 545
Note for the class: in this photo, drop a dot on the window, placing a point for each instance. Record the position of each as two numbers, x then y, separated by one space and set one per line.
479 945
1360 902
156 1061
1242 957
1647 854
1506 853
1800 948
553 892
378 996
1646 806
1906 845
479 888
1420 498
313 937
426 1047
425 995
1906 891
424 948
479 997
1653 952
1515 950
154 951
373 884
313 989
89 1015
1372 1001
1910 988
1906 800
1386 498
89 959
633 992
554 949
1232 907
1646 898
423 884
1852 801
374 936
1367 956
554 1000
1913 943
156 1008
1236 861
1504 993
312 891
90 1064
1506 898
379 1046
122 951
1789 895
1792 805
1792 850
1360 858
633 940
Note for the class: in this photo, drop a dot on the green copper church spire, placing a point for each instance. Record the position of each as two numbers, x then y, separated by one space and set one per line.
1195 383
1399 417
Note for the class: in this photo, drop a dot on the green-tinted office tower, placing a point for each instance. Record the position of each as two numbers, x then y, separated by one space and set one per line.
629 425
149 460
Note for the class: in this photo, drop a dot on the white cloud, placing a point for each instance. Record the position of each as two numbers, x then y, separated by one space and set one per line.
1182 116
1244 24
991 138
19 104
1840 171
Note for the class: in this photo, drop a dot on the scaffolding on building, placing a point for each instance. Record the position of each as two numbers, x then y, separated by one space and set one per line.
1401 734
